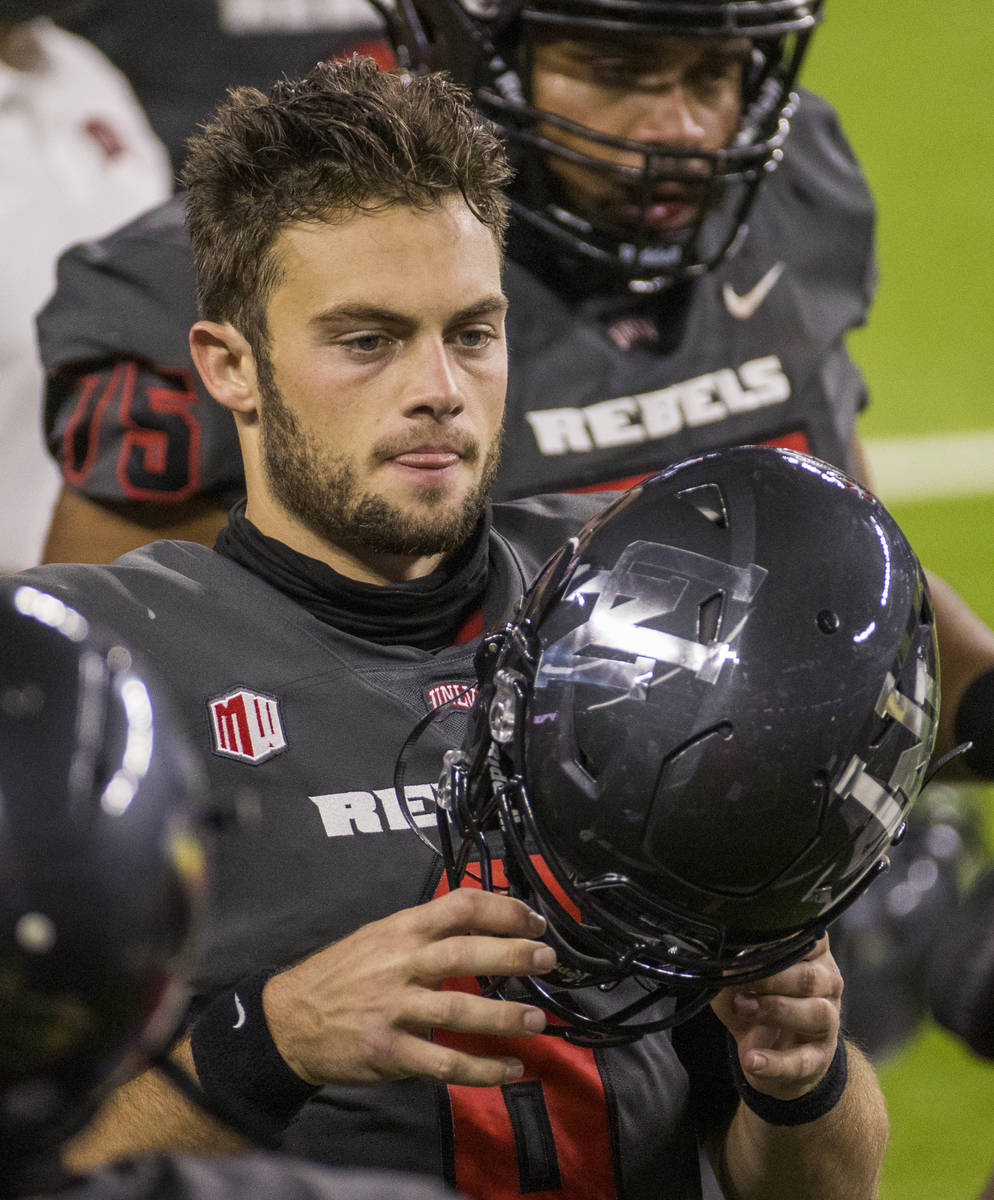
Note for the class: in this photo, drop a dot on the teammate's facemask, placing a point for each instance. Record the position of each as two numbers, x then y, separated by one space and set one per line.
696 741
488 46
101 880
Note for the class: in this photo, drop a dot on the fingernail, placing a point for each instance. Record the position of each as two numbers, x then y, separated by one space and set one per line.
513 1070
534 1020
536 922
544 959
756 1062
745 1003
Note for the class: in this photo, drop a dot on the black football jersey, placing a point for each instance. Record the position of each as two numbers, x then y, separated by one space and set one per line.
601 391
301 725
754 351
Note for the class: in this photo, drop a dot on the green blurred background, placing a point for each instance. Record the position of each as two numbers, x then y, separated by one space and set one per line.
913 84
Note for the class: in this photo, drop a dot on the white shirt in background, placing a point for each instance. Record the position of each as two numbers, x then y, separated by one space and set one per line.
77 159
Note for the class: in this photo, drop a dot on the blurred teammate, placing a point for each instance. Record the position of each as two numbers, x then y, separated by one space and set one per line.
961 974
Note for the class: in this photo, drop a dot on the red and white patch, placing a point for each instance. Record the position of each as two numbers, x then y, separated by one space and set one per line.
457 695
246 725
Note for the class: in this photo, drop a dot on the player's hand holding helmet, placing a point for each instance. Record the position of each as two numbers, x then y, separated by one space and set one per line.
694 745
100 870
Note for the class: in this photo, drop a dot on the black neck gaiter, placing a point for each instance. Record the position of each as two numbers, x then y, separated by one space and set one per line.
427 614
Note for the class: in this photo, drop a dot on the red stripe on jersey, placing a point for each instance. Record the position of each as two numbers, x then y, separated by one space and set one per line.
472 629
788 441
791 441
484 1148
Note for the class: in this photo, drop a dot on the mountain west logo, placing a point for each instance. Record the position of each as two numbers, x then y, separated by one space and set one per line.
246 726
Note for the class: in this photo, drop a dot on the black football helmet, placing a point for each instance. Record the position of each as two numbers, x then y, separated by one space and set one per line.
698 738
486 45
100 870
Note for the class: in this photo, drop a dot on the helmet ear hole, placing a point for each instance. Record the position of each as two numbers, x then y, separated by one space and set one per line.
586 763
709 502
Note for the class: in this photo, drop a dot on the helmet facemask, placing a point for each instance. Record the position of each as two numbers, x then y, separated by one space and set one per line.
491 49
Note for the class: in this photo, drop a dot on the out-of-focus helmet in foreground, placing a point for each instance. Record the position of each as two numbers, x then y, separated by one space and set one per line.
100 869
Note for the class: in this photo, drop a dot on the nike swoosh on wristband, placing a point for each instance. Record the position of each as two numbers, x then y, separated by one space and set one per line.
240 1010
742 307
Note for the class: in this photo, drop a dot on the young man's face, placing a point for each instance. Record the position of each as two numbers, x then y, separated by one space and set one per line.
683 93
380 426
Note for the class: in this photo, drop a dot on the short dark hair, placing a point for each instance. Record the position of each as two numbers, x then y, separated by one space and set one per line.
345 137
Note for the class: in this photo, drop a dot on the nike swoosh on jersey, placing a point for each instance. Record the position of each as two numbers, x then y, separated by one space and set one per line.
240 1010
744 306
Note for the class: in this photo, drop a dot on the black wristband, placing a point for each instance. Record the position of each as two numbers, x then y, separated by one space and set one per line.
809 1107
240 1070
974 722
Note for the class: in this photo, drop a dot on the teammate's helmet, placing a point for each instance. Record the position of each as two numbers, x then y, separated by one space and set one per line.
100 869
705 726
486 45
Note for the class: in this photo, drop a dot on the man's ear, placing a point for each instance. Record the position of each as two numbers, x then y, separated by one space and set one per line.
226 365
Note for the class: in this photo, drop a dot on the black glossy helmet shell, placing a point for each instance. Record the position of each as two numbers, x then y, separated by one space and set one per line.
733 694
100 870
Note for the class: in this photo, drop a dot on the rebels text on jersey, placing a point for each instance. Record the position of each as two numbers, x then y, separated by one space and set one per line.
755 353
